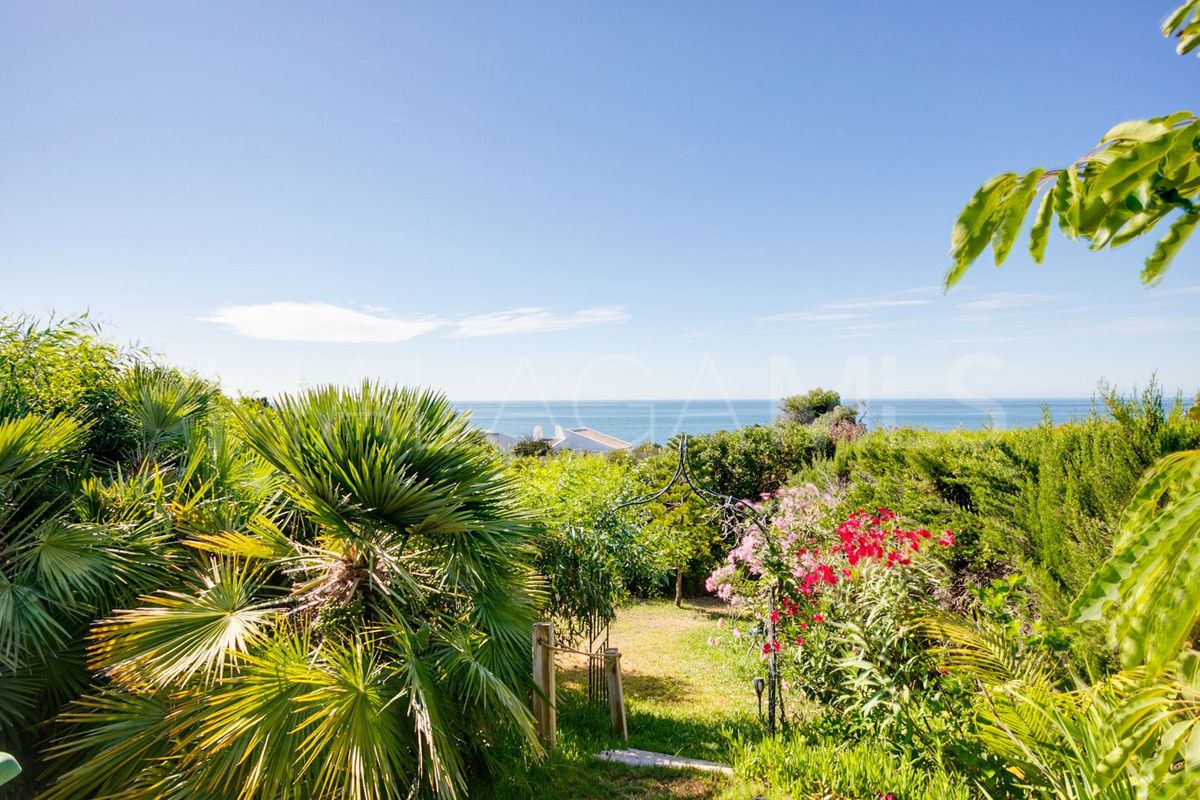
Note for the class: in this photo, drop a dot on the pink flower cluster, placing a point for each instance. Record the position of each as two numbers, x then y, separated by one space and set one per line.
798 515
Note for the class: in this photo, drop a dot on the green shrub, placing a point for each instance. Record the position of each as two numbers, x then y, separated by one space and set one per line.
803 409
353 621
589 556
64 366
747 462
794 768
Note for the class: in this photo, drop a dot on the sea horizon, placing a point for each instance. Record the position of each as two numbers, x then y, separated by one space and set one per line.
639 421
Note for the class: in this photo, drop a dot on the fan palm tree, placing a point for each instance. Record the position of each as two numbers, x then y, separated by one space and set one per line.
363 635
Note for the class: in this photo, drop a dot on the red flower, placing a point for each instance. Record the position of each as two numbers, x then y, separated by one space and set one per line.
818 617
799 641
774 615
947 539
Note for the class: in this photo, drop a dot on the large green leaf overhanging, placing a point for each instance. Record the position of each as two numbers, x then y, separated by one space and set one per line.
1147 592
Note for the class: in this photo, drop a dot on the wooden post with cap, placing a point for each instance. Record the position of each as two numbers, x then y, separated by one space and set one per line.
616 697
544 702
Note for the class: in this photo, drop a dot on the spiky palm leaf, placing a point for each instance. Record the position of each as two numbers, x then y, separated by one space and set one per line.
178 636
117 736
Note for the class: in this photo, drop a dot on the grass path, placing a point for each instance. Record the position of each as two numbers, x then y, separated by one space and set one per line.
682 696
679 691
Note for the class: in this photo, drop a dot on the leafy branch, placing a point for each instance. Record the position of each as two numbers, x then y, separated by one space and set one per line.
1140 173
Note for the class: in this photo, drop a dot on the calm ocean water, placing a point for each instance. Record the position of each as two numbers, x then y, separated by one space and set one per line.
658 420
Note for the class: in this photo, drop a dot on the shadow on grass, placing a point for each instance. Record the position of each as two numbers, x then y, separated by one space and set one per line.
712 608
694 737
578 777
572 771
640 685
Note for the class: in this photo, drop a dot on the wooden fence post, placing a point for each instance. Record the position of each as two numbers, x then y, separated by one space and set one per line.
616 697
544 714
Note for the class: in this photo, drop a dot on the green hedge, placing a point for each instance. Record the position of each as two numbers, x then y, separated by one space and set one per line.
1043 501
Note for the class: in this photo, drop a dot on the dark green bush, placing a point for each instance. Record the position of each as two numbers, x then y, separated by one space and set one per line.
749 461
805 408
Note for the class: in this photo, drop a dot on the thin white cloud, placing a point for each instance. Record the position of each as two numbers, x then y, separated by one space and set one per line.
811 316
1007 300
882 302
1136 325
327 322
857 330
1180 290
1080 329
853 318
534 320
319 322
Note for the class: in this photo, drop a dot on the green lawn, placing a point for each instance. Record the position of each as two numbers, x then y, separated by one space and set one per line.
682 696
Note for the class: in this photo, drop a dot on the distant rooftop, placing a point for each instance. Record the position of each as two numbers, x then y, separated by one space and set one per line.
583 440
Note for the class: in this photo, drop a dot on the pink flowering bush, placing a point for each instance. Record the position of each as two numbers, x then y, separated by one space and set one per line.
833 600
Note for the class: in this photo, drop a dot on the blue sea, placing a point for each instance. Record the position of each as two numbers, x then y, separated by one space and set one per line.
639 421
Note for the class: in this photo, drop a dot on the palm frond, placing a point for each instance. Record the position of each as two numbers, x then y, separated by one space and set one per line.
1146 592
118 735
68 562
162 402
30 623
178 636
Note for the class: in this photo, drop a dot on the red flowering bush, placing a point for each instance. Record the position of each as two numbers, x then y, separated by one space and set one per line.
837 598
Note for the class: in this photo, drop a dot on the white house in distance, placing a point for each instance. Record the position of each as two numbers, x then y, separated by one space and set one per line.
501 440
581 440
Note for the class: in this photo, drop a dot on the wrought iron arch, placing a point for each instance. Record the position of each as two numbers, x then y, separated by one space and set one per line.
746 513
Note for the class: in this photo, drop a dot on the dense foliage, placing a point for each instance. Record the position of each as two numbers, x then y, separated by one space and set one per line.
60 366
328 597
1064 505
1044 501
748 462
590 555
831 768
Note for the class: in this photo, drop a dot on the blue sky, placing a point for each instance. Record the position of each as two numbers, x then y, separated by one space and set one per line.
604 200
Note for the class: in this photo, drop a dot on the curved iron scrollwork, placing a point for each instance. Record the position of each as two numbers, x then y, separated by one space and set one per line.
745 512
